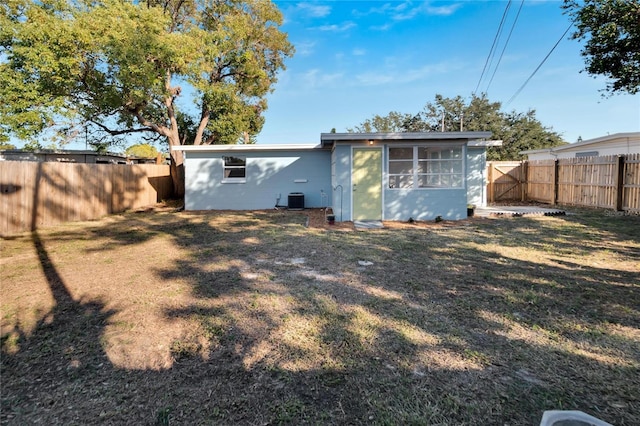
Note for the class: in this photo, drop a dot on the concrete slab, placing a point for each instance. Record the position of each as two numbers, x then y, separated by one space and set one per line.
517 211
570 418
368 224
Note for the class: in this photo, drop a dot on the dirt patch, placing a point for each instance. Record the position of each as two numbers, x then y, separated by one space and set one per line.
269 317
317 219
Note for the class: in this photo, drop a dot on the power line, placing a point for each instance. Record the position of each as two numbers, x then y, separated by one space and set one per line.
541 63
505 46
493 45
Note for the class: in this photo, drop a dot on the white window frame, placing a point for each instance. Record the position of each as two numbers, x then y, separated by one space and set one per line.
452 174
227 170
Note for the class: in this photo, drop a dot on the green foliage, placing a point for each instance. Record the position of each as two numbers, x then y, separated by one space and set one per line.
518 131
142 150
611 31
115 65
392 122
6 145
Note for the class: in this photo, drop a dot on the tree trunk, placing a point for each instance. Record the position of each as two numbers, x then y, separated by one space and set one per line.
177 172
177 165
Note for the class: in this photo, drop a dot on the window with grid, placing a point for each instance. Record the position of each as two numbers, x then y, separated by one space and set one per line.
425 167
235 170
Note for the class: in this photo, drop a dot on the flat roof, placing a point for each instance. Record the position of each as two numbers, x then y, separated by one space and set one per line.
249 147
479 139
329 138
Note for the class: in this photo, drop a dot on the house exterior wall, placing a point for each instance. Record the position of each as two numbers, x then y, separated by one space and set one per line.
476 176
405 203
269 176
341 179
425 204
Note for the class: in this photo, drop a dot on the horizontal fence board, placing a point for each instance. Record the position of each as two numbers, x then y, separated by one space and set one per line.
41 194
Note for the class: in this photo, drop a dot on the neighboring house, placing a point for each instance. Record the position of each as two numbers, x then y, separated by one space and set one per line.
62 156
361 176
616 144
74 156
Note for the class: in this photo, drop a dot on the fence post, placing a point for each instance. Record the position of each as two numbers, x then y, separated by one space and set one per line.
619 184
523 180
554 195
491 185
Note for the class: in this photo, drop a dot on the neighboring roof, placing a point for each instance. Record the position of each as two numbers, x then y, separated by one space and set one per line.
62 156
63 151
250 147
571 146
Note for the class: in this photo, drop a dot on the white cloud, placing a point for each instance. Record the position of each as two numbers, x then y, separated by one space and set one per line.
408 10
305 48
315 78
314 10
404 76
345 26
443 10
358 52
384 27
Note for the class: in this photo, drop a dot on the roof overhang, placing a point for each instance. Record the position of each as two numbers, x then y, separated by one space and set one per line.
484 143
329 139
247 148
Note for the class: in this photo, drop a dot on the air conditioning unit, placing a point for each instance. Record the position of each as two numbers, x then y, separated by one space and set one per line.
296 201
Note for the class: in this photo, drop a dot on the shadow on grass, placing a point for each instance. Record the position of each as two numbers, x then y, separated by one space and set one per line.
443 328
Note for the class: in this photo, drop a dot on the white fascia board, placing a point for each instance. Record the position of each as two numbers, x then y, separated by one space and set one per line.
245 148
484 143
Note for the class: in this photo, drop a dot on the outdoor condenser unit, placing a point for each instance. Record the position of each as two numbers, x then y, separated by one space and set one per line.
296 201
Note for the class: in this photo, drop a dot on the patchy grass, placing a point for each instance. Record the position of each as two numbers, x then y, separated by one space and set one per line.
252 318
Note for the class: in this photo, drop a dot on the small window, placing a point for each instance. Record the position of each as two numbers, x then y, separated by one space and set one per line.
235 170
586 154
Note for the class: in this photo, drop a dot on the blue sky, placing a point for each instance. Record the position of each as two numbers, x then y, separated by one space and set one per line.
355 59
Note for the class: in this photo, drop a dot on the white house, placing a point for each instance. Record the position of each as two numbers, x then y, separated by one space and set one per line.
616 144
361 176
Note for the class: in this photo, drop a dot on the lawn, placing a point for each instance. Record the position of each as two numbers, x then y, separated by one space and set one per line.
165 317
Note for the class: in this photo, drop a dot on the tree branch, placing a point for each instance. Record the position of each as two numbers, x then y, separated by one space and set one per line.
121 132
204 120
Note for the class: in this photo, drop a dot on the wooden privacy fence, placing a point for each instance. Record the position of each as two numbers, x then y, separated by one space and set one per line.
34 194
611 182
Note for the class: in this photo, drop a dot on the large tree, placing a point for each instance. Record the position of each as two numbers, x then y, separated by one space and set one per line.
611 31
518 131
118 67
392 122
142 150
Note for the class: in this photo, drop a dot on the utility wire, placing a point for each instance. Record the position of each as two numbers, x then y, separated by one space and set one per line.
493 45
505 46
500 29
541 63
